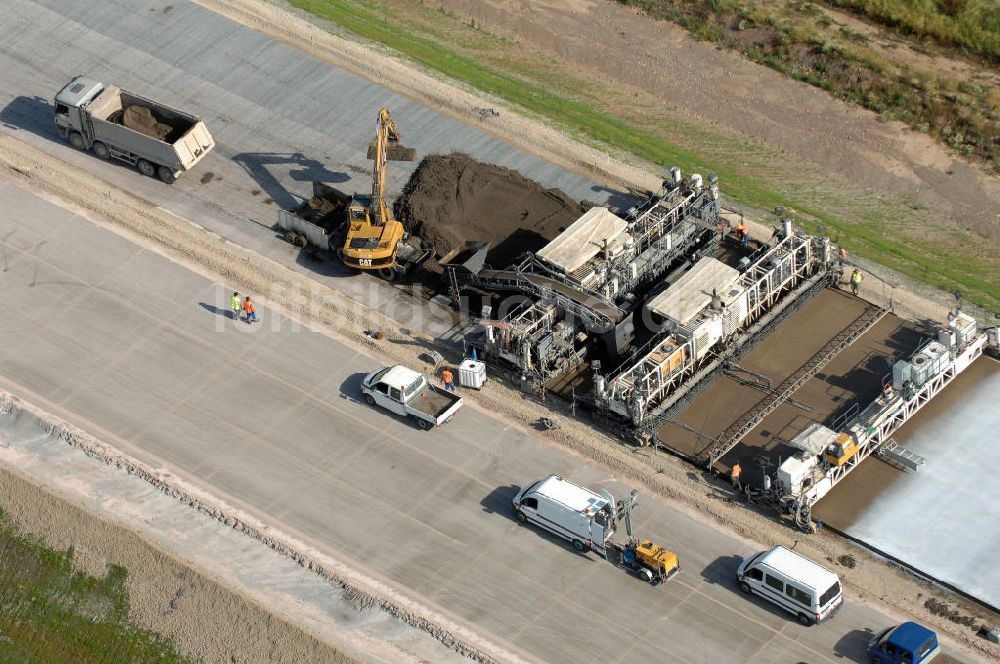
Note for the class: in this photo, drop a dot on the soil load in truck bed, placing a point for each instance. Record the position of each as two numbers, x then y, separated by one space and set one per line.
327 209
454 198
146 121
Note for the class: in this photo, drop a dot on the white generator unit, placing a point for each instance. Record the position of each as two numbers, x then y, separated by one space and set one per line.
938 356
794 471
902 372
704 332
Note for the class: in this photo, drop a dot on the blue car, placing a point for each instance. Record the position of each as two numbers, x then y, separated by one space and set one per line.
908 643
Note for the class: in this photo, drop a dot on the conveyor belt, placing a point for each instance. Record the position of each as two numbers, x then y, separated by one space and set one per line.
537 284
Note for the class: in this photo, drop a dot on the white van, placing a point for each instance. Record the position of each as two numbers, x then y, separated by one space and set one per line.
793 582
570 511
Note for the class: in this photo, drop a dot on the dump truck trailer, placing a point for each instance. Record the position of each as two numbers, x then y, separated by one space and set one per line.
322 222
116 124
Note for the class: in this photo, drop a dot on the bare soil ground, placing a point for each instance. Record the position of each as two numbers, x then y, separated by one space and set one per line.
658 68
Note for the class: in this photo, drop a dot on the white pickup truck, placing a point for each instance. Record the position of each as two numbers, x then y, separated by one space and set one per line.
406 392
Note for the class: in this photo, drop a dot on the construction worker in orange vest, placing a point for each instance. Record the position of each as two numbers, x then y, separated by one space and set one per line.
743 234
250 310
734 476
448 379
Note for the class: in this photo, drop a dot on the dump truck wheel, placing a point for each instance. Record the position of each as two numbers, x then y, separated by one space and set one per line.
101 150
370 400
145 168
76 140
745 588
165 174
646 574
423 425
579 546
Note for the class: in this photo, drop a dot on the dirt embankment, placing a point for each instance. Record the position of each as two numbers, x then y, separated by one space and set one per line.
207 621
451 199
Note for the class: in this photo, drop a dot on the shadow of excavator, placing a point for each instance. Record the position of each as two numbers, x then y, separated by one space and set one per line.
267 167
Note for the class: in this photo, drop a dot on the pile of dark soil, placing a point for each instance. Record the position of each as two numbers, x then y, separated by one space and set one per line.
453 198
143 120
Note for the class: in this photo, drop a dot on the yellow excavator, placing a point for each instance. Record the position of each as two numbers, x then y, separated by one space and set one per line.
375 241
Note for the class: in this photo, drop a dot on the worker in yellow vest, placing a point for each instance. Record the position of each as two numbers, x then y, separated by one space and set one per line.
237 305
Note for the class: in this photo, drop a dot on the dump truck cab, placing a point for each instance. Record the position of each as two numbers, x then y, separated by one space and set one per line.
74 96
907 643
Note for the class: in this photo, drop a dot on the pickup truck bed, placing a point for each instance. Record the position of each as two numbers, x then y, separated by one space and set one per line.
408 393
435 401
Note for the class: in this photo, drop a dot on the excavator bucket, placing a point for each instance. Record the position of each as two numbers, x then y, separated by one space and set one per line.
394 152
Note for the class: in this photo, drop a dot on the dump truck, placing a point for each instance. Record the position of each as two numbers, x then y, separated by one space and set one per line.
160 141
406 392
322 222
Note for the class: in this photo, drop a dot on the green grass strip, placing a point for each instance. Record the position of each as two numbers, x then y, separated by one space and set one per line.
934 265
49 613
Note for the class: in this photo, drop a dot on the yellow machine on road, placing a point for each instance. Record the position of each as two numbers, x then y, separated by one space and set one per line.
648 561
374 239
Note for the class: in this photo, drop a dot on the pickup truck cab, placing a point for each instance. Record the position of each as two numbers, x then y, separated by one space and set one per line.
908 643
406 392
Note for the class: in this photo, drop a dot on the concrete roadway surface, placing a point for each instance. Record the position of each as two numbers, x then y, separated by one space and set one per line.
280 118
141 352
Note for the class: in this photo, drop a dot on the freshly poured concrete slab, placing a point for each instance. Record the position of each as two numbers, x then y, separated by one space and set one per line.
944 519
584 239
778 356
